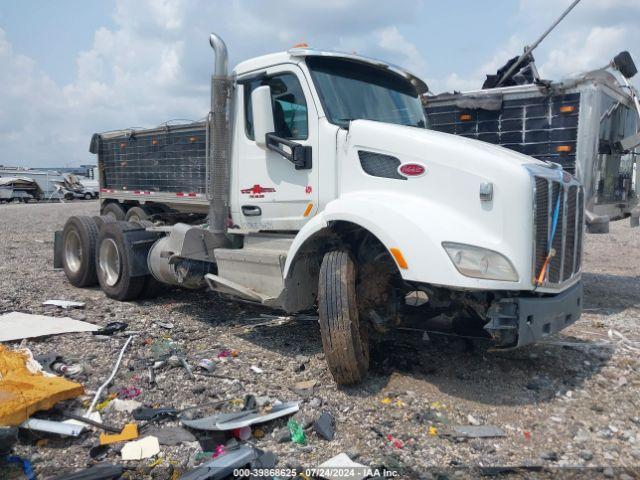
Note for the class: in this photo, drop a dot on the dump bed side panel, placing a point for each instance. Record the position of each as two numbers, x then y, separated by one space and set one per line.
544 127
169 160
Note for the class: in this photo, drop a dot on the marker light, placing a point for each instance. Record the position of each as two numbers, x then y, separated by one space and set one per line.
479 262
465 117
397 254
563 148
567 108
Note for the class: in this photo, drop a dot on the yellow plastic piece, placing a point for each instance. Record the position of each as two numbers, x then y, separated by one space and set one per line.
25 390
129 432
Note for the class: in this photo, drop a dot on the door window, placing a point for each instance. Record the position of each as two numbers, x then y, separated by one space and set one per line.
289 106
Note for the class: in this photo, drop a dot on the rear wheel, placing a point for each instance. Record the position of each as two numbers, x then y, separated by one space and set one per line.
79 238
344 337
114 211
136 214
114 265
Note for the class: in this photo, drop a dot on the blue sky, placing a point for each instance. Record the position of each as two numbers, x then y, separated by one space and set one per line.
71 67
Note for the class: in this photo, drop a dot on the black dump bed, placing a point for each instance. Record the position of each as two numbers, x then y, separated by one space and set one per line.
165 159
543 126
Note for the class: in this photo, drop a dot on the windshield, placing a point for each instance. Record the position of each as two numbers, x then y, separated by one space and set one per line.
352 91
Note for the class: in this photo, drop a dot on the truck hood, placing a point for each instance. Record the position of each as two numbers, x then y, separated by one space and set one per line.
459 152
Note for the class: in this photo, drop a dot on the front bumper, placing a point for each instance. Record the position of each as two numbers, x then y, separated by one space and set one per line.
519 321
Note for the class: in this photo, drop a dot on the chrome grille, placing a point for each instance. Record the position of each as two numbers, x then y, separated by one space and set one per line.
549 189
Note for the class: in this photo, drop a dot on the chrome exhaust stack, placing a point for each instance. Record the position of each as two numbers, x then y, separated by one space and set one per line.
219 139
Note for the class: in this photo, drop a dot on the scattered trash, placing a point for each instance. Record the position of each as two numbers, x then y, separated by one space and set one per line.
69 429
395 441
220 450
129 393
296 431
171 435
25 388
68 370
111 328
113 374
146 447
64 304
325 426
478 431
224 465
305 388
99 452
151 414
228 353
99 471
124 405
243 433
433 431
25 464
17 325
472 420
8 438
244 418
342 467
167 325
207 364
129 432
92 419
256 369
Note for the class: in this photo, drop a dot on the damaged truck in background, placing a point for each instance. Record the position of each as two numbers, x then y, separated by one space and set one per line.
314 184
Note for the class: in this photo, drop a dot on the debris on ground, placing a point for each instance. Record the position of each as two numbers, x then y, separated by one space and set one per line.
146 447
25 388
129 432
64 304
341 467
325 426
111 328
171 435
66 428
296 432
17 326
478 431
99 471
243 418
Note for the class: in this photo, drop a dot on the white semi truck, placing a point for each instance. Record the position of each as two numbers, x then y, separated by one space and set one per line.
322 188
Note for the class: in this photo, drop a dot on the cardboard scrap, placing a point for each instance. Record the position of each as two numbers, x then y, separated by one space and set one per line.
25 389
129 432
17 325
146 447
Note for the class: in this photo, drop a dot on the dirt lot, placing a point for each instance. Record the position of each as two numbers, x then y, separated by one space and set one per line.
571 401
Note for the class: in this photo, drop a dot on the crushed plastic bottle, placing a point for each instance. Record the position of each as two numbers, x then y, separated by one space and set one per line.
297 433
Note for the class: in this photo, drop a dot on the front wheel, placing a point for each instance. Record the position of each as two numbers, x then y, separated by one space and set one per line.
344 337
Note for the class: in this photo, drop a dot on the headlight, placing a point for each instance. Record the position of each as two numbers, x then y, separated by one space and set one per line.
479 262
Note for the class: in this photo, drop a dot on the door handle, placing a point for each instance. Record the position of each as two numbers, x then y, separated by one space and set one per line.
251 211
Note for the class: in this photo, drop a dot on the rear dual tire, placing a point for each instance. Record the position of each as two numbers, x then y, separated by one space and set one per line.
79 239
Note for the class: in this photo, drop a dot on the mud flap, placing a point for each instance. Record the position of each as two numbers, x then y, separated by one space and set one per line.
57 249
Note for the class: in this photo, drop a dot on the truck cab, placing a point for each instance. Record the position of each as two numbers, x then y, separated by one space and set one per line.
327 191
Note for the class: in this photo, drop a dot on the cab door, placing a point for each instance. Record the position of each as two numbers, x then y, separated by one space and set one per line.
272 194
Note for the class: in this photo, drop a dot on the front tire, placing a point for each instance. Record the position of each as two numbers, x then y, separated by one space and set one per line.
344 337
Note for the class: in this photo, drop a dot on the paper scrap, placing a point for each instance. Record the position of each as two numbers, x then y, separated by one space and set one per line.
146 447
17 325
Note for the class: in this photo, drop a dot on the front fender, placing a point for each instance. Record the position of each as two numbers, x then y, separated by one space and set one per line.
417 227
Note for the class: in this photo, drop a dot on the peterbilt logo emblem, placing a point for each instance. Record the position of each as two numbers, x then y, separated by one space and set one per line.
412 170
257 191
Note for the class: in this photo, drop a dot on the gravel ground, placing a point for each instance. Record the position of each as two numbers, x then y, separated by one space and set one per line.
569 402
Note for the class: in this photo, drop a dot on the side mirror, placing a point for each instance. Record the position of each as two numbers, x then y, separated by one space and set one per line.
624 64
262 112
